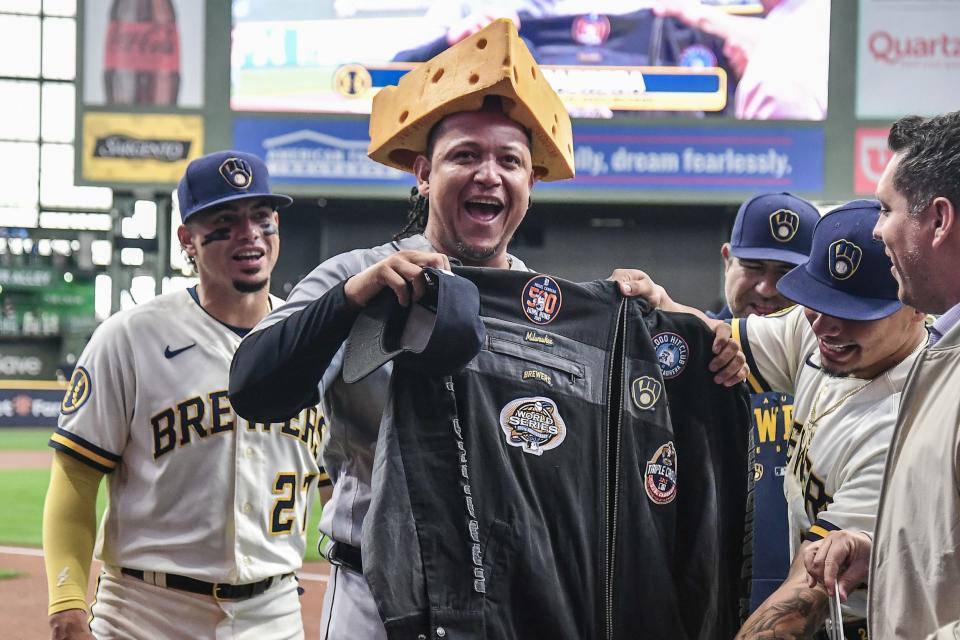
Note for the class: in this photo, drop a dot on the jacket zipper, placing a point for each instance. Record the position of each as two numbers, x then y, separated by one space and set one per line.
612 481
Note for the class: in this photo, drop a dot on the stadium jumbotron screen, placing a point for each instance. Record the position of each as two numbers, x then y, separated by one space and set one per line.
606 58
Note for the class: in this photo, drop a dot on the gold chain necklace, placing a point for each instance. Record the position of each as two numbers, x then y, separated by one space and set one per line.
814 417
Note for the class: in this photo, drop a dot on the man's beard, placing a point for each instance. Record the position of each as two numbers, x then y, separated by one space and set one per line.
472 254
250 287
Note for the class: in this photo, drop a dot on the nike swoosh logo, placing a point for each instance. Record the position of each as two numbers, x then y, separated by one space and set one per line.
173 353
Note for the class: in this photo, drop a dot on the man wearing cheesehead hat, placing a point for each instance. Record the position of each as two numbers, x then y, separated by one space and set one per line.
477 126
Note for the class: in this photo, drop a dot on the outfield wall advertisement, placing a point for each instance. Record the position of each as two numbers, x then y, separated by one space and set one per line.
318 152
908 58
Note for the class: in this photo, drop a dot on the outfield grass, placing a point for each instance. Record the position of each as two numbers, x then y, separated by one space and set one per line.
22 492
25 439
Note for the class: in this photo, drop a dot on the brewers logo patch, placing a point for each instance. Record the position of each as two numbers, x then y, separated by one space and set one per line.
843 259
77 392
645 392
237 172
533 424
672 354
541 299
784 224
661 475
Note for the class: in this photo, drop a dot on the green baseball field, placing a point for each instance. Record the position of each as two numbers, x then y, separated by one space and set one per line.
24 476
22 490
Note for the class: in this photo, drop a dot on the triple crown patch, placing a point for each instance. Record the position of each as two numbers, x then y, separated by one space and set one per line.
237 172
533 424
843 259
660 479
784 224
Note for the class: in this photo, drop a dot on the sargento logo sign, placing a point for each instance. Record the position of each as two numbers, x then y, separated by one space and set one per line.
893 49
128 148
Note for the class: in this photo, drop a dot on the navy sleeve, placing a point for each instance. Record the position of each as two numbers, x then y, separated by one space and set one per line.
276 370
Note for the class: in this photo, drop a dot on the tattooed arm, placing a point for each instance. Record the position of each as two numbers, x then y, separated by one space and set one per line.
792 612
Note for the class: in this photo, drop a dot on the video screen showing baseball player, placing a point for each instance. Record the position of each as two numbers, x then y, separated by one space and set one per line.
476 149
205 522
844 353
771 235
748 59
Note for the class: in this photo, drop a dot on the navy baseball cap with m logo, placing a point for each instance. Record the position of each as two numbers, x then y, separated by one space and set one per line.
774 226
848 273
221 177
439 334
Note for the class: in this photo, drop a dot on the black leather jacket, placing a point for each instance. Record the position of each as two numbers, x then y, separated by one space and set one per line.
582 478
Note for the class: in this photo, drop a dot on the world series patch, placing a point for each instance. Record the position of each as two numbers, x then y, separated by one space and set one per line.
672 353
661 475
533 424
541 299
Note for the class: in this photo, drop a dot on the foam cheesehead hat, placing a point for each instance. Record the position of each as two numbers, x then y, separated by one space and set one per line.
222 177
438 334
492 62
774 226
848 274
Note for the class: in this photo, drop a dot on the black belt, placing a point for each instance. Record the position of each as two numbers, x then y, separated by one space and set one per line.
218 590
345 555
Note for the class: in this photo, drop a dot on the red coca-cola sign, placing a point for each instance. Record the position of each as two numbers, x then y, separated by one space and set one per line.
142 46
142 57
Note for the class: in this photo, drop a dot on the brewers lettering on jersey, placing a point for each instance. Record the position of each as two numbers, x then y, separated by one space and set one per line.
206 516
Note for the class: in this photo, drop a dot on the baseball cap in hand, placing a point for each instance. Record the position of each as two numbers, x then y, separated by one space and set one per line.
848 274
221 177
438 334
774 226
